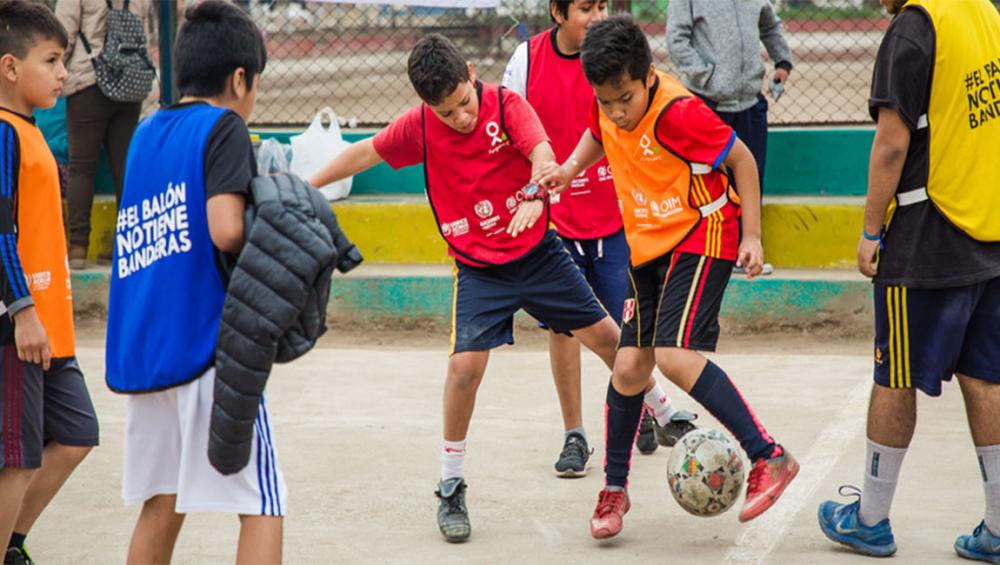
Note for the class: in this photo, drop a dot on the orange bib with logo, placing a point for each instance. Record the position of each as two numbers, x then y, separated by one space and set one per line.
654 185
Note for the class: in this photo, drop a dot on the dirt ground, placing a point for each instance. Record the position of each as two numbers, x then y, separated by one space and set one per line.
357 424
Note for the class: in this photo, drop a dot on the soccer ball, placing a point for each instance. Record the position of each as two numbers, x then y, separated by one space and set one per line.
705 472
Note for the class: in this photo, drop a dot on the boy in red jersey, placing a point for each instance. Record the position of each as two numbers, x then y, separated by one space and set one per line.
667 149
480 145
546 71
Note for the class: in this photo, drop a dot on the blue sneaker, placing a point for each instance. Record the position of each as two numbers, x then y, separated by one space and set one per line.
841 523
982 545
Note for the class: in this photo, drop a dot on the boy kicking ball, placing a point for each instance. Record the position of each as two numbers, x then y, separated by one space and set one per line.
546 71
667 150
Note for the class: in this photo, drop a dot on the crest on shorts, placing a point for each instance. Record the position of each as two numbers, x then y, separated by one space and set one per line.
628 310
878 356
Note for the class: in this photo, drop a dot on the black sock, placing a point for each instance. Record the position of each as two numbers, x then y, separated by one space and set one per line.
717 393
622 415
17 540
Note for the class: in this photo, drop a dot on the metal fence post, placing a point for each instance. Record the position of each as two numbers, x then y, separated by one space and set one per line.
168 28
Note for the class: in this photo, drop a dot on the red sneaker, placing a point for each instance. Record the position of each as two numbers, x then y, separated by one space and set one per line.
767 481
607 519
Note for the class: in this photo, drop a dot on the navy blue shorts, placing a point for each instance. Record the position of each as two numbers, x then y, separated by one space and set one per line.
604 263
924 336
545 283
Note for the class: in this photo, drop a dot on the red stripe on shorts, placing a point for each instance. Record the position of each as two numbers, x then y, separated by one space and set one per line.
18 416
697 300
8 408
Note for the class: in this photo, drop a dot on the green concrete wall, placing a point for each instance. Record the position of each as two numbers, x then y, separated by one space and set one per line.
800 161
762 304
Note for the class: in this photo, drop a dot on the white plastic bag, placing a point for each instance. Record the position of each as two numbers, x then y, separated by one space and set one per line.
272 157
316 147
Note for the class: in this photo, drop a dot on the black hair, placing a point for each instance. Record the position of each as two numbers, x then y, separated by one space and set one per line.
215 39
436 68
23 24
562 6
615 49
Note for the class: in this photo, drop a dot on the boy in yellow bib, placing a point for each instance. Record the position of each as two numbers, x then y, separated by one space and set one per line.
934 210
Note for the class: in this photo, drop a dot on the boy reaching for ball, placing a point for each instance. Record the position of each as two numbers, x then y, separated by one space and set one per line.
481 145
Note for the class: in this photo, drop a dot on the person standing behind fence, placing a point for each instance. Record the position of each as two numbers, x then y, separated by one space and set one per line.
700 34
931 243
92 119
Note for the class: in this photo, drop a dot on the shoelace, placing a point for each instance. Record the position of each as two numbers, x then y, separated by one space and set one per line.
757 475
574 446
454 502
849 490
609 502
646 424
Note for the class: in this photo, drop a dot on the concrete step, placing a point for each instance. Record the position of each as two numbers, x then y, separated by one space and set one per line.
799 232
398 294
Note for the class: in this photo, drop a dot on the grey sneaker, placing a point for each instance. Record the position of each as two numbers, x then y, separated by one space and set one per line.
17 556
646 440
453 515
680 423
573 459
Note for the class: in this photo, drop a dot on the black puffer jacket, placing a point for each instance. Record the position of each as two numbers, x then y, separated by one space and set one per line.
275 307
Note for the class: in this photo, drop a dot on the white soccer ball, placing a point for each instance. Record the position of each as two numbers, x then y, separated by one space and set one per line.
705 472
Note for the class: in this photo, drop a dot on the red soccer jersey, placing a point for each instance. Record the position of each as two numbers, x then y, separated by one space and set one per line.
692 131
558 90
473 180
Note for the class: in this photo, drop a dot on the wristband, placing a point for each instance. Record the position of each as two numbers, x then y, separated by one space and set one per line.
876 237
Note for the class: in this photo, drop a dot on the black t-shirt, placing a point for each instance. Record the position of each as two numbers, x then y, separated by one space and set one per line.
922 248
230 164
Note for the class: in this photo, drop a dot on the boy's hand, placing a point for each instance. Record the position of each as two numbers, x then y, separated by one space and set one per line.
751 256
31 340
552 177
867 250
525 217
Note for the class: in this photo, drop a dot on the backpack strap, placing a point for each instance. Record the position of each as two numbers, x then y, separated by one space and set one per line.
86 44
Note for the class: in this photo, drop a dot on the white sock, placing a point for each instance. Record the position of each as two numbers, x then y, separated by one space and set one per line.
882 464
578 430
663 409
989 468
452 459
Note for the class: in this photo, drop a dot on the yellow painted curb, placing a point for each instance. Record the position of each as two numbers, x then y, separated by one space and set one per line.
811 235
392 231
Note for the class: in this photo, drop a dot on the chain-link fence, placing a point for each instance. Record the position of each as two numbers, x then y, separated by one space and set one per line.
353 57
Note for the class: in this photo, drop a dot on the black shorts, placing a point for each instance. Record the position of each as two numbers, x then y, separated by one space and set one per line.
924 336
546 283
37 407
674 301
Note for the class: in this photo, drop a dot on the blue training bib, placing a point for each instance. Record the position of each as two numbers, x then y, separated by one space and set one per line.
167 293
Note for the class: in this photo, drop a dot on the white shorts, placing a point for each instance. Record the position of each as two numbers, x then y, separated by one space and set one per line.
166 452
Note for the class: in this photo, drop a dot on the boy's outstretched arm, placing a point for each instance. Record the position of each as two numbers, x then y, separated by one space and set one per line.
557 177
741 162
359 157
